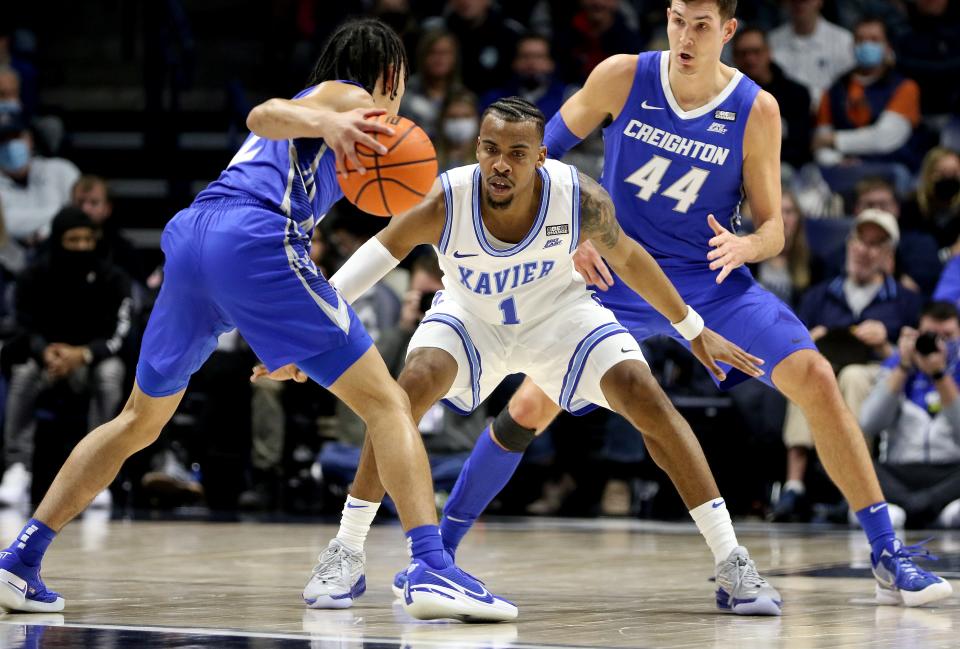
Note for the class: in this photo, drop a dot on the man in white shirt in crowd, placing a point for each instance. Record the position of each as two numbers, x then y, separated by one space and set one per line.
32 188
810 49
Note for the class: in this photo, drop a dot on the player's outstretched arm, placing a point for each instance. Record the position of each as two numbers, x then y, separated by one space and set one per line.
419 225
761 180
598 223
336 112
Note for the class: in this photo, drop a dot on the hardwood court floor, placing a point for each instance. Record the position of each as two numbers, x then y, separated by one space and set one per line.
578 583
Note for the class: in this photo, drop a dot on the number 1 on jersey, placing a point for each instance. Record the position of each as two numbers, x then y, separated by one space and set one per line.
509 309
686 190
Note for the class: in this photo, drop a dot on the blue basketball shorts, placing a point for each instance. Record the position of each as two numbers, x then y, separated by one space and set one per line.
742 311
238 264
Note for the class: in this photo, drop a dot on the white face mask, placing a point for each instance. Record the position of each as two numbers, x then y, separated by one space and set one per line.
460 130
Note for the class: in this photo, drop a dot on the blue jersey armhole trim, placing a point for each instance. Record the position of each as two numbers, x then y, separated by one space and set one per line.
534 230
575 217
448 213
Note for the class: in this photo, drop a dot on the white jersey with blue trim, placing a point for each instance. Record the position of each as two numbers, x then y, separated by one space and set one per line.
296 177
504 283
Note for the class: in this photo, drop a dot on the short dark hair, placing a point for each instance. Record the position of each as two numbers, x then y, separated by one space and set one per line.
86 182
871 183
362 50
516 109
428 263
941 311
727 8
750 29
873 18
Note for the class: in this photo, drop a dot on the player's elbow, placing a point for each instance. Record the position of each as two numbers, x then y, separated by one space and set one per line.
257 117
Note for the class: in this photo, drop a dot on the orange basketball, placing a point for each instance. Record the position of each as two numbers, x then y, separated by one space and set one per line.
398 180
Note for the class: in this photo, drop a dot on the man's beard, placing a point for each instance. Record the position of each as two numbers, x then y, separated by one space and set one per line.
499 205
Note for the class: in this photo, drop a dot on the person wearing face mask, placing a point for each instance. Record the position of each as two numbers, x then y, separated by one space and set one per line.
533 77
915 405
459 126
870 113
73 315
32 188
935 206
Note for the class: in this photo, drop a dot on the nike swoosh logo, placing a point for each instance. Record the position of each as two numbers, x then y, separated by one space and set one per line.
484 595
645 106
459 255
875 508
624 350
717 504
349 506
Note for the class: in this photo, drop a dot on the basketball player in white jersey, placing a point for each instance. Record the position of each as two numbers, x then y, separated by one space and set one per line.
505 230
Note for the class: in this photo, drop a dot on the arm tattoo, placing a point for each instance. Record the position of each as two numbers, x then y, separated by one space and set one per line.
598 219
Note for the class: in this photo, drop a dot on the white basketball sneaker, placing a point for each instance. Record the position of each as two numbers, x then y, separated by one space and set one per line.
337 578
741 589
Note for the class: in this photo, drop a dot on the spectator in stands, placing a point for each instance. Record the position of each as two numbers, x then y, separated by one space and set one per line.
13 260
935 208
73 312
788 274
448 437
32 188
869 114
26 72
929 53
810 49
597 32
437 75
9 87
534 77
751 54
916 406
854 319
918 267
92 195
487 40
459 126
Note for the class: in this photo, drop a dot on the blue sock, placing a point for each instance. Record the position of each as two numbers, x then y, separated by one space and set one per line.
426 546
32 542
875 520
484 475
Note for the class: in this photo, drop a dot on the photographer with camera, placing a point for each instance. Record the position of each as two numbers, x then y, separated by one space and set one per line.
915 407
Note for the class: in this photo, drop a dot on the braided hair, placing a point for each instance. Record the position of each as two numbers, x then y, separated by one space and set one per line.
362 50
516 109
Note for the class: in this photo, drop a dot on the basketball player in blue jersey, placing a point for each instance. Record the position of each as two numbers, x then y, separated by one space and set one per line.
505 230
684 133
238 258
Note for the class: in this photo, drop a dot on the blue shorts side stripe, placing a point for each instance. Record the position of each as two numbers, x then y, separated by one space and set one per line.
473 358
577 362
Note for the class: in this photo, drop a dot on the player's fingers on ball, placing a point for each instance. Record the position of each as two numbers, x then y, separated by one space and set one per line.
368 141
372 112
376 127
352 157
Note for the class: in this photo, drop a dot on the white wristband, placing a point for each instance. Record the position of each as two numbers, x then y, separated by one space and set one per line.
366 267
691 326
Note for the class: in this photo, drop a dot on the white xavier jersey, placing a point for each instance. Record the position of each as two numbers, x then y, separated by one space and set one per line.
504 283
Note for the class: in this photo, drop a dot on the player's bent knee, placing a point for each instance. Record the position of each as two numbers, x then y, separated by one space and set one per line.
632 391
511 435
531 408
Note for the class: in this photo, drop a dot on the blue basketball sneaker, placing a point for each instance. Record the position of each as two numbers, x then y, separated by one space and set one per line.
901 581
432 594
21 588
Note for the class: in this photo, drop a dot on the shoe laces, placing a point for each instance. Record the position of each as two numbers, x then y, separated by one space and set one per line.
905 557
330 562
747 573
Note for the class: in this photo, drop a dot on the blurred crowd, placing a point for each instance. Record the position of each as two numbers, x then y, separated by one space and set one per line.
871 209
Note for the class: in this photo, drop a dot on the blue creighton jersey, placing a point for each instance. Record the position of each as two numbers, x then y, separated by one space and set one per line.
667 169
297 177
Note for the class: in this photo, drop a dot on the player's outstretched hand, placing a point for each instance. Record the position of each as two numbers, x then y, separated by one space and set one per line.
590 264
348 129
284 373
710 347
729 251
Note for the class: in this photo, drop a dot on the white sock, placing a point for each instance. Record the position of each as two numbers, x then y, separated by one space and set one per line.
713 521
795 486
355 522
